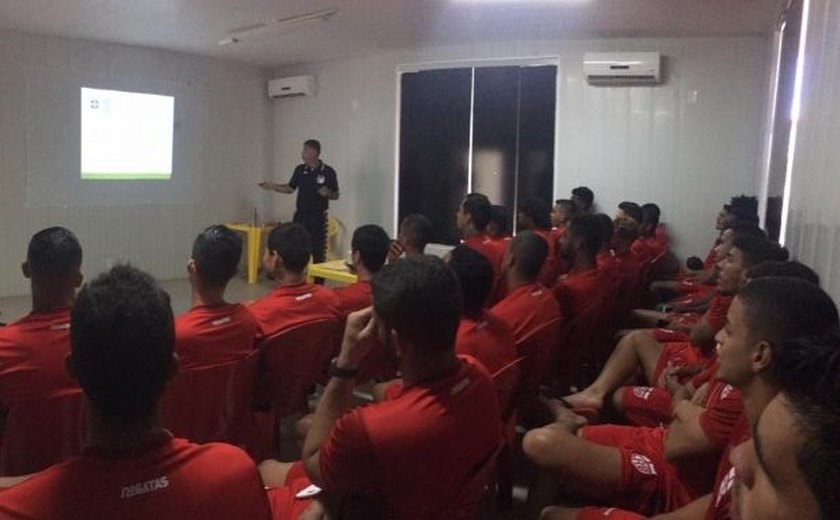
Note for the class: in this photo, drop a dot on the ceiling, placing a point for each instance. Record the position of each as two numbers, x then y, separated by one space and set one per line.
367 26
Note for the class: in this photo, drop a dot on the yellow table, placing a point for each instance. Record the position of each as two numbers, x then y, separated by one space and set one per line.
254 243
337 271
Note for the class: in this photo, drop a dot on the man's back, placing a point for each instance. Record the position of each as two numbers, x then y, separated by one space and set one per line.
488 339
173 480
289 306
207 336
353 297
527 308
419 449
32 355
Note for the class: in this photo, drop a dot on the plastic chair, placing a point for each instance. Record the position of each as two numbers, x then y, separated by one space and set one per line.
291 363
508 387
537 349
334 227
41 432
211 404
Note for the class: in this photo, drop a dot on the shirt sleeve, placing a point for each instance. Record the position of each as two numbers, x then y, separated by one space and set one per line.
718 308
293 182
346 460
722 412
332 179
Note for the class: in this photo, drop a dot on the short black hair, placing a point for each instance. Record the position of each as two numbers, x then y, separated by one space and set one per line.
294 245
589 229
372 243
607 228
417 229
529 251
537 210
809 373
744 208
478 207
420 298
313 144
585 195
216 252
54 252
756 250
789 269
747 229
475 274
498 216
632 210
567 205
122 336
651 214
780 308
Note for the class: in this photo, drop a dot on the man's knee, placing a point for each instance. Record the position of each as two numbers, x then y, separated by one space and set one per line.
546 446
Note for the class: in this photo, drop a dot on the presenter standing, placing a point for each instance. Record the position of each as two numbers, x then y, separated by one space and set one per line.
316 185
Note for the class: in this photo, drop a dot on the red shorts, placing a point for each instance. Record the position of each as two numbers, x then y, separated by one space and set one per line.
649 483
284 504
679 354
610 513
669 336
646 405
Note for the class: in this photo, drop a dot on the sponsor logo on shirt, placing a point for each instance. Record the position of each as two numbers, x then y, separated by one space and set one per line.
60 326
460 386
725 486
642 464
303 297
221 321
725 392
537 293
642 392
141 488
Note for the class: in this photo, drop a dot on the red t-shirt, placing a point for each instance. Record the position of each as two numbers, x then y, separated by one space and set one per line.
493 250
353 297
174 480
208 336
32 354
548 273
526 309
718 308
642 251
290 306
488 339
722 492
580 291
418 449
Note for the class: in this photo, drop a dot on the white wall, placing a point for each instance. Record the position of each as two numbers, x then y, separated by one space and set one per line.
813 233
687 145
223 141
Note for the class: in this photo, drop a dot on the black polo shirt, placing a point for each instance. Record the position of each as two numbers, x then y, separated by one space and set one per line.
308 181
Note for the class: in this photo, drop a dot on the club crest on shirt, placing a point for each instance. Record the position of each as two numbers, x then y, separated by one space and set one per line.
642 464
642 392
141 488
303 297
725 392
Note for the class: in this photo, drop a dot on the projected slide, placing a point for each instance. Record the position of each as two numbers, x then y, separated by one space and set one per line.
126 135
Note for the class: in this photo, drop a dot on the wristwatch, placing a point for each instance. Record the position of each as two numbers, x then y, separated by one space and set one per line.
341 373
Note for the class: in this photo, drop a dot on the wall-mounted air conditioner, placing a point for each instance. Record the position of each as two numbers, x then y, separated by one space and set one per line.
292 86
622 68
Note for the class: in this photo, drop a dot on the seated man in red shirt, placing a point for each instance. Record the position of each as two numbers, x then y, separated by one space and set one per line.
534 214
122 341
32 349
765 316
214 332
472 218
497 228
293 301
426 451
584 199
369 247
414 235
564 211
640 350
481 334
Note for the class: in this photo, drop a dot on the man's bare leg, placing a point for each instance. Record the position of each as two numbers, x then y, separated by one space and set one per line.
274 472
638 350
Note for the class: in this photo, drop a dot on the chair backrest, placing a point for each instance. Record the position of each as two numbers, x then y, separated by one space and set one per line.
466 504
293 361
211 404
537 348
507 381
41 432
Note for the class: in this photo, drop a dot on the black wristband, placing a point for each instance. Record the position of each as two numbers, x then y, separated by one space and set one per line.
342 373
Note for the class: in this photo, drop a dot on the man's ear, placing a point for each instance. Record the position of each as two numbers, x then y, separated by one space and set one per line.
357 258
174 366
25 269
762 356
191 267
78 278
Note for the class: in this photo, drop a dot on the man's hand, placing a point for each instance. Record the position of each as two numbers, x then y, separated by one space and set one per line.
361 335
395 251
324 192
699 397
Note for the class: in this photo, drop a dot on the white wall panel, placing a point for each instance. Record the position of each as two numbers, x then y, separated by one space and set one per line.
813 233
687 144
223 144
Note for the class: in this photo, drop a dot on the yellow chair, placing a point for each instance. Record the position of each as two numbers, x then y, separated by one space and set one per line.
334 228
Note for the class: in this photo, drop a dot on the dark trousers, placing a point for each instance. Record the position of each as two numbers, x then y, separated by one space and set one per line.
315 222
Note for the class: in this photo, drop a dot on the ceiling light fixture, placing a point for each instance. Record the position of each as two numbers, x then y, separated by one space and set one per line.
240 33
